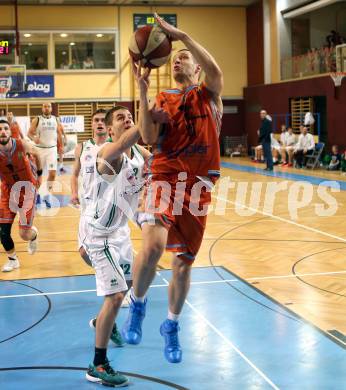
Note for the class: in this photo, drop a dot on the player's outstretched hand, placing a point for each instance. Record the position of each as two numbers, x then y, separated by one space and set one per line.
75 200
159 115
173 33
141 76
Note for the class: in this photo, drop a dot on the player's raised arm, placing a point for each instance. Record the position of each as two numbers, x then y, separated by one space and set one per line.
214 76
32 131
149 130
150 117
75 173
111 153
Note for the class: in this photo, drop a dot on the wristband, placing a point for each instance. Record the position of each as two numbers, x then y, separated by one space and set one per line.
39 172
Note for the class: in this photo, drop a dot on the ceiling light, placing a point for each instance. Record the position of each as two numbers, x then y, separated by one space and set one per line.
27 35
29 44
72 43
99 35
63 35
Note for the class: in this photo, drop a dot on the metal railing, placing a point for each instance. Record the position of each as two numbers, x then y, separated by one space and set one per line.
315 61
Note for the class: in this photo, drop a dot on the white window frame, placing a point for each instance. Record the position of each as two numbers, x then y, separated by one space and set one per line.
51 50
93 31
41 71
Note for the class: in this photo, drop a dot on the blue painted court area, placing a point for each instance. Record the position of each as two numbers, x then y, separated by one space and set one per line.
288 175
233 337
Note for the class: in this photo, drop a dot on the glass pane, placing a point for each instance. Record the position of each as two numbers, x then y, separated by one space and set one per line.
34 50
7 48
84 51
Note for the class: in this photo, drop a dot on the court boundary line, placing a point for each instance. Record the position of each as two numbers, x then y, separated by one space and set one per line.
314 230
283 175
325 333
281 219
219 281
130 374
226 340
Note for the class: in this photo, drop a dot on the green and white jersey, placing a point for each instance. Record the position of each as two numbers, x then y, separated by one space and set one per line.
87 170
116 197
47 131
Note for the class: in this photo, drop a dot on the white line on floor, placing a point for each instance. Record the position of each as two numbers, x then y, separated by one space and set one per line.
192 283
281 219
227 341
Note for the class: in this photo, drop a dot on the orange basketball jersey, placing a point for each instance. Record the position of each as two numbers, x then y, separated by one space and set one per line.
15 166
190 141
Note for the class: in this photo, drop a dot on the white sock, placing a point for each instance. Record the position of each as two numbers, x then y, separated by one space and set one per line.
12 257
173 317
136 299
274 159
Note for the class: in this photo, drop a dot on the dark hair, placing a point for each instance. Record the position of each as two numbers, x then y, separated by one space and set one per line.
99 111
109 115
4 121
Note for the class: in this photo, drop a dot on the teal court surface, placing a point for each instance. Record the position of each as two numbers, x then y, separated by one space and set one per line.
233 337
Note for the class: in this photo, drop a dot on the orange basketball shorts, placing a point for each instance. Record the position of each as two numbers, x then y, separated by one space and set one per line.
182 208
19 199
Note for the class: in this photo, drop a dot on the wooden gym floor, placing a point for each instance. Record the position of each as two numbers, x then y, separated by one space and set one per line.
299 263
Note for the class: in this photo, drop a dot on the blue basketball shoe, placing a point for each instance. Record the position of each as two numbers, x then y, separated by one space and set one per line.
132 329
169 331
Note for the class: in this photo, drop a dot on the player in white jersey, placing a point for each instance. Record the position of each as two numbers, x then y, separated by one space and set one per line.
45 132
119 180
84 167
85 157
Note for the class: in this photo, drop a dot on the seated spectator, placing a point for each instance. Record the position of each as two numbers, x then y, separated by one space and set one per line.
64 65
74 64
333 160
343 163
258 154
282 134
287 148
304 147
276 149
88 63
39 63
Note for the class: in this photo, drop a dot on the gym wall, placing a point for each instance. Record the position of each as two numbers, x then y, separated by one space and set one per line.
221 30
275 99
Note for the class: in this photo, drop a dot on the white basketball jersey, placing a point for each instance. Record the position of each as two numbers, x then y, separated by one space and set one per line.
87 170
47 131
117 196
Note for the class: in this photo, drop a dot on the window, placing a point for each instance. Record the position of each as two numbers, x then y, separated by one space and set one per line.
7 48
84 50
34 50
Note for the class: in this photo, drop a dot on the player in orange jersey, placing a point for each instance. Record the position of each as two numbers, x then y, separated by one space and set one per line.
15 128
19 182
186 161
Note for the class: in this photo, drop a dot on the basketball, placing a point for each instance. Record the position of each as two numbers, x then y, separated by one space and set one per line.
151 46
